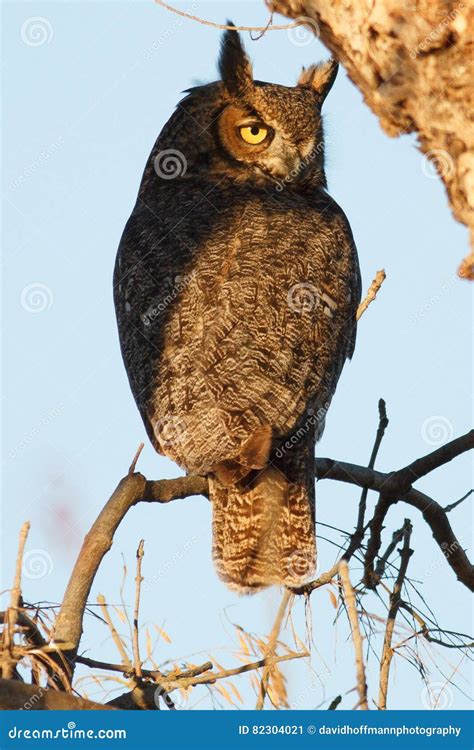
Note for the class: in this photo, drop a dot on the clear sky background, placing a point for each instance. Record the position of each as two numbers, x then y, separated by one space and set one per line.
81 112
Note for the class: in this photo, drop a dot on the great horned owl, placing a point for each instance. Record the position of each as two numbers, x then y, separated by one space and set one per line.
236 288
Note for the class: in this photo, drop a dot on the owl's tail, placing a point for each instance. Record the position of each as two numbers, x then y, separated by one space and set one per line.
263 522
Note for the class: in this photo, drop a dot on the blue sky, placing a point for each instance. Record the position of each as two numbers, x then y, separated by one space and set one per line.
80 113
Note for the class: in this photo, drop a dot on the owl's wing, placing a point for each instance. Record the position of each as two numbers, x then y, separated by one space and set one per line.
236 314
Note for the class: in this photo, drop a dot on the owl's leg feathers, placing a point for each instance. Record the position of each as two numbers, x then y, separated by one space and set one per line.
263 525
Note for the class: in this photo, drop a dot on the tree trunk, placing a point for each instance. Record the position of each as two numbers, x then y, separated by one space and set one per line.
411 60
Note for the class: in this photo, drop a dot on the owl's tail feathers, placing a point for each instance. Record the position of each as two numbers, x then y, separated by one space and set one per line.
263 530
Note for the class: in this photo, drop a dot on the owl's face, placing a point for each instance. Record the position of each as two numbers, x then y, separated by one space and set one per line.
244 130
267 131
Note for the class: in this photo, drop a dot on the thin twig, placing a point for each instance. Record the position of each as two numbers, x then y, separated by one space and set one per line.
358 536
224 26
135 488
426 631
271 646
152 674
452 506
350 600
131 489
209 679
395 601
116 638
380 277
138 583
8 663
397 536
133 465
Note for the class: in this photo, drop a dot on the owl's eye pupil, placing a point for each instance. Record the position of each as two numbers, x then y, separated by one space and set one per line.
253 134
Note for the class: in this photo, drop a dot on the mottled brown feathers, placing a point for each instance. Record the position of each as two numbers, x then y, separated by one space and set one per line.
236 287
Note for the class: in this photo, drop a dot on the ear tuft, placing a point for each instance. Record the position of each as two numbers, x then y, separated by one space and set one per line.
235 67
320 78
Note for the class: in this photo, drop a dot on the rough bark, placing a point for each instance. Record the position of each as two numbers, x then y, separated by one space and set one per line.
411 61
15 695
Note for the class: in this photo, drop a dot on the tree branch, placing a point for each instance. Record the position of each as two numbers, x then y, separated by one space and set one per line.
350 601
16 695
409 62
8 663
271 647
134 488
395 603
373 290
131 489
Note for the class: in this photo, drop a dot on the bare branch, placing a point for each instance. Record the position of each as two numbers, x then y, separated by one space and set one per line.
131 489
350 600
133 465
272 641
372 292
15 695
433 513
395 600
223 26
452 506
138 583
225 673
7 662
115 636
144 696
358 535
135 488
426 631
404 478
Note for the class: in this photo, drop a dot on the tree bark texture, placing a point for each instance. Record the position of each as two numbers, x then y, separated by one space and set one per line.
412 61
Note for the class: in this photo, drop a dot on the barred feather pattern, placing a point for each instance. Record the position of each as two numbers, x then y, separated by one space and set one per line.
264 526
235 303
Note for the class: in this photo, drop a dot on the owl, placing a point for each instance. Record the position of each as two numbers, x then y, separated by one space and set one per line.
236 287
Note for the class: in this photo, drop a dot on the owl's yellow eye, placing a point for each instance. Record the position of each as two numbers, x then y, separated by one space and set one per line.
253 134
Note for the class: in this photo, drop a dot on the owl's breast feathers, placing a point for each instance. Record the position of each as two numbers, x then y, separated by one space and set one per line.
236 311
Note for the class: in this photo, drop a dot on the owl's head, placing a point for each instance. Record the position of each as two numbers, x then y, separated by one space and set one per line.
245 130
270 131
